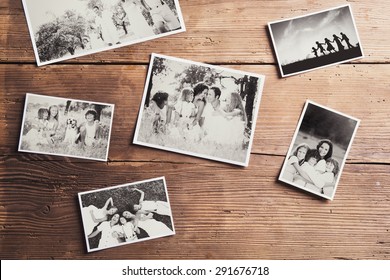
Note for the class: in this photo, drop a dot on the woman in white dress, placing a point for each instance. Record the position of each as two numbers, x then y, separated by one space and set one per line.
104 20
92 215
148 206
138 24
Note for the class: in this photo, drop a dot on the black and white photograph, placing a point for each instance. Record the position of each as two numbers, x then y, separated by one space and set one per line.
316 40
199 109
126 214
319 149
62 30
66 127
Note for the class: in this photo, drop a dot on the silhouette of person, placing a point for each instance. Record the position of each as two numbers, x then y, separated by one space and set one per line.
320 47
329 45
346 39
338 40
314 50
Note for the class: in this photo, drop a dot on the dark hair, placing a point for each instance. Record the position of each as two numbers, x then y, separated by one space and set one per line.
132 210
312 153
41 111
56 117
330 152
159 97
91 112
217 91
336 165
199 88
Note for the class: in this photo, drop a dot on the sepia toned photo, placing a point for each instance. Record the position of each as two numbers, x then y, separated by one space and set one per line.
126 214
316 40
66 127
199 109
62 30
319 150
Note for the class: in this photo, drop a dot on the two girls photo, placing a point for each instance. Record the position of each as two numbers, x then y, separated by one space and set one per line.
318 152
199 109
68 127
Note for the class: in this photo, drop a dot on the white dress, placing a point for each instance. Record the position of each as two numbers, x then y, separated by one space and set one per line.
109 31
159 207
154 228
138 23
161 12
89 224
90 133
107 240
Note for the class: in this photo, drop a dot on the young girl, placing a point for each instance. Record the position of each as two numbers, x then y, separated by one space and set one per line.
184 109
128 229
297 157
89 130
308 167
148 206
92 215
156 113
163 17
52 124
37 134
138 24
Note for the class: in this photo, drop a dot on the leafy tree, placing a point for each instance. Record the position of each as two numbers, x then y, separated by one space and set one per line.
157 68
61 36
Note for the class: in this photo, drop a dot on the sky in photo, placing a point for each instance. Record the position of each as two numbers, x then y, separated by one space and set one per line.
295 38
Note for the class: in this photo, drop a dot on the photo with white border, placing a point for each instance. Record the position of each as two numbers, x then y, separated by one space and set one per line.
62 30
126 214
66 127
315 40
199 109
320 146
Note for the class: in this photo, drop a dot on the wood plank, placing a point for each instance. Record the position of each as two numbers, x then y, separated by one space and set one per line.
227 213
217 32
343 88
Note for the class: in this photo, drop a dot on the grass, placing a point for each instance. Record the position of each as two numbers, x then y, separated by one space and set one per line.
203 147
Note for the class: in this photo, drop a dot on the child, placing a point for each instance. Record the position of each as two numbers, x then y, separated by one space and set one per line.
297 157
52 124
89 130
184 109
128 229
308 167
314 50
163 17
327 179
37 133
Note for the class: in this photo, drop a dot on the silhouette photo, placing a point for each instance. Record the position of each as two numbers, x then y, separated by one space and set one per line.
319 149
316 40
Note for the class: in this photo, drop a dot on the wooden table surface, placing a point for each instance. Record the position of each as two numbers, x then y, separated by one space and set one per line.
220 211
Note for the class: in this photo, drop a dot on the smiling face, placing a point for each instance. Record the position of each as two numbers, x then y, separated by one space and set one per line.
90 118
112 211
45 115
312 161
324 149
202 94
301 153
115 218
127 215
329 167
53 111
122 220
211 95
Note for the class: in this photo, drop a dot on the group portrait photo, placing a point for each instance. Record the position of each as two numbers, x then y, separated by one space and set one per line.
199 110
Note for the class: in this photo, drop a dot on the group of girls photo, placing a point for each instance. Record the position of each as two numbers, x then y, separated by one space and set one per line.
65 127
130 213
208 115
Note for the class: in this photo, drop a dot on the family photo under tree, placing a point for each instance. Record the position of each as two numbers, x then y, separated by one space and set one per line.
65 29
199 109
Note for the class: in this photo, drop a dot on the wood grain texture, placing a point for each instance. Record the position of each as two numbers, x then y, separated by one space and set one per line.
220 211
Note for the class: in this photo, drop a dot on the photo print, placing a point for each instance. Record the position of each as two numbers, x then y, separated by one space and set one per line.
126 214
319 149
66 127
62 30
316 40
199 109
